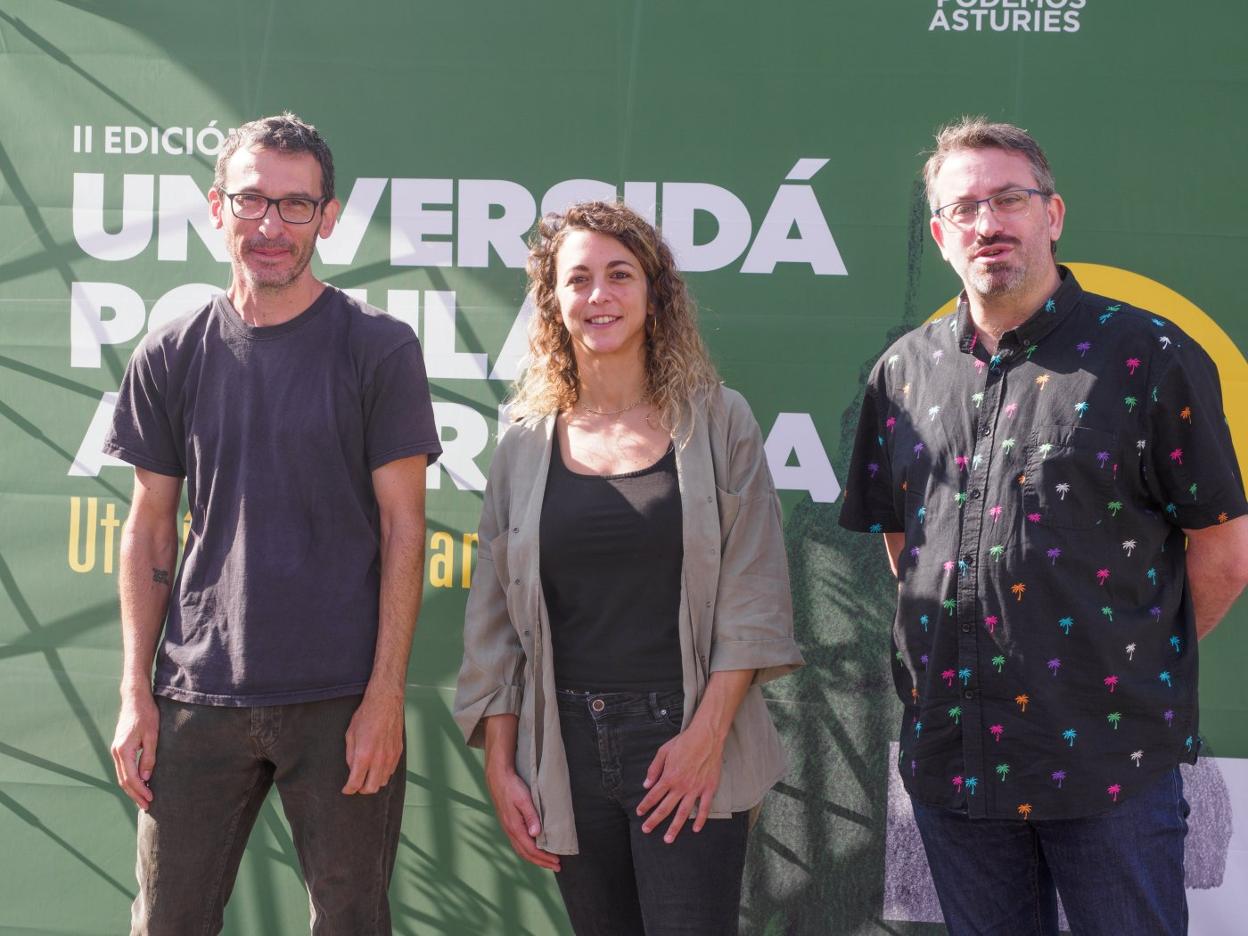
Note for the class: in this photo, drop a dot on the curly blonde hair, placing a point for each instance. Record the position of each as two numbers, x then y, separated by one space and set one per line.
679 371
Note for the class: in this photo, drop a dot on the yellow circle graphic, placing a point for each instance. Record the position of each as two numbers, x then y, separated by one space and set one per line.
1165 303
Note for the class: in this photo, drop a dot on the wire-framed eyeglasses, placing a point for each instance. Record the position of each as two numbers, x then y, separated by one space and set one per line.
963 215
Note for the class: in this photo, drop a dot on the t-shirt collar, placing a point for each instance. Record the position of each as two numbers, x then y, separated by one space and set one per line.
235 323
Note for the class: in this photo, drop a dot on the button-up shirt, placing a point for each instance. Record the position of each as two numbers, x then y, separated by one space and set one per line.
1044 645
735 612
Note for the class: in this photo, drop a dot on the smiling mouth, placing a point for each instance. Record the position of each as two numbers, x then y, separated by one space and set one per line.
269 248
603 319
270 257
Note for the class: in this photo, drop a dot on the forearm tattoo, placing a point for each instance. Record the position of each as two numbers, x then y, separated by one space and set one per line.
160 576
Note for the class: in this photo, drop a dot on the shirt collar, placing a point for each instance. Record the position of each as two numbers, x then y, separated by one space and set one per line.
1050 314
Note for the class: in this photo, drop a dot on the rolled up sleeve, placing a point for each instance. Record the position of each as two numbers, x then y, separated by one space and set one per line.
753 626
491 677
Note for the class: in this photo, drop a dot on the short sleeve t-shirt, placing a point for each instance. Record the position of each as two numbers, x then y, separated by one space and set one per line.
276 430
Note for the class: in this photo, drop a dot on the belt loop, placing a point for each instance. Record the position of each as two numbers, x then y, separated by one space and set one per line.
653 699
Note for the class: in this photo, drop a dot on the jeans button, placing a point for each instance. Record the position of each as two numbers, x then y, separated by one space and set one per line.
597 705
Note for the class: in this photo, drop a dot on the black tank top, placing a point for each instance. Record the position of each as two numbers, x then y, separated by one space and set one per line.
611 553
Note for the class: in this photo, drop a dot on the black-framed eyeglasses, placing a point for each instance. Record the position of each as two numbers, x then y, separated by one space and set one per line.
963 215
250 206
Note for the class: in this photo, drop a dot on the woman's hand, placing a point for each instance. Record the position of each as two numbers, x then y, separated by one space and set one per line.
518 817
683 776
512 801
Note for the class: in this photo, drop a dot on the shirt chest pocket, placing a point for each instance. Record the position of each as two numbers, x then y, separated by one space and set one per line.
1071 472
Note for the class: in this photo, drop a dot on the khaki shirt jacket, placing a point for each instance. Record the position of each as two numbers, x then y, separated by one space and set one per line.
736 611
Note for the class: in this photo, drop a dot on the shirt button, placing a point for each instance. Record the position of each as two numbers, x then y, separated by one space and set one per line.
515 529
969 559
986 431
968 693
516 582
708 604
966 628
976 495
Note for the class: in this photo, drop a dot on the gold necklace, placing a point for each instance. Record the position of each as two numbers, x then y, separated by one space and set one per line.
619 412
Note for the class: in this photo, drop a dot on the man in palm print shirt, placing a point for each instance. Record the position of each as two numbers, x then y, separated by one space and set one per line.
1035 461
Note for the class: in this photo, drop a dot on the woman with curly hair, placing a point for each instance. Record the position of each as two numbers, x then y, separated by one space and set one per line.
631 595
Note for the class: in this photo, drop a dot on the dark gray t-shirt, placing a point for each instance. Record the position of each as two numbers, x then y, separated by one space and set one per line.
277 431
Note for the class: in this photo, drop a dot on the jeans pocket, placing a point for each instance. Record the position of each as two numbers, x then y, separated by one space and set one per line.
669 708
1182 807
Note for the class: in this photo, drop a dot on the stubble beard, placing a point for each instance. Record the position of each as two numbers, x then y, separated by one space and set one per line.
997 283
1006 279
263 279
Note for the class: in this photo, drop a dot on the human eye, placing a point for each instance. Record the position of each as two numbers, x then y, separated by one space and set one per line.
962 211
248 202
1010 201
298 208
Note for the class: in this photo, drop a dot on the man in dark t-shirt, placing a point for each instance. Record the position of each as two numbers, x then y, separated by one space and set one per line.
1056 485
302 423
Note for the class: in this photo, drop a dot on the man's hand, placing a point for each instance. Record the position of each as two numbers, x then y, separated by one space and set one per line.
518 817
374 743
375 735
134 745
149 544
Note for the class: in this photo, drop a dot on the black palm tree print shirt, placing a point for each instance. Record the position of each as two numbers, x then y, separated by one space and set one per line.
1044 644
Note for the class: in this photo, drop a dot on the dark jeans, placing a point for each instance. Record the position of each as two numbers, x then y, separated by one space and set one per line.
1119 872
624 881
214 766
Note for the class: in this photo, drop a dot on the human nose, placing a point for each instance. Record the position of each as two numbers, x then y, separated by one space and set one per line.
598 293
271 220
271 225
986 221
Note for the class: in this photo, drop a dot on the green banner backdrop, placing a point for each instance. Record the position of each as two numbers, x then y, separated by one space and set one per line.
778 146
